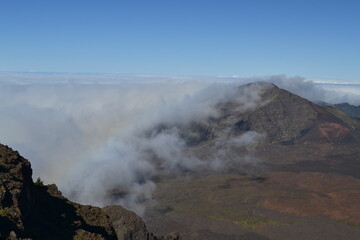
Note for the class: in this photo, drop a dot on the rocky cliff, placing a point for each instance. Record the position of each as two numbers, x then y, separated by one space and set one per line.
31 210
35 211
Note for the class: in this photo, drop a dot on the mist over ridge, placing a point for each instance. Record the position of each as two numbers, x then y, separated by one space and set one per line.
93 136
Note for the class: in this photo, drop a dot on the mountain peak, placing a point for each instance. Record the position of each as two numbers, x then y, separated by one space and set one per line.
280 116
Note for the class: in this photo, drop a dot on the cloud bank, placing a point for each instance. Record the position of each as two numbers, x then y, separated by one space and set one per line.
98 137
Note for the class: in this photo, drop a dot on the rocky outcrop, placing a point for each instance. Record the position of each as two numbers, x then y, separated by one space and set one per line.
16 192
126 223
129 226
29 211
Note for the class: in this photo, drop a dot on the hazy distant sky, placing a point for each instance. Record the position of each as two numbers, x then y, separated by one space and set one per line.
315 39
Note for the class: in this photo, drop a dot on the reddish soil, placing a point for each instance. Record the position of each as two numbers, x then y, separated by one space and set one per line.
314 194
330 131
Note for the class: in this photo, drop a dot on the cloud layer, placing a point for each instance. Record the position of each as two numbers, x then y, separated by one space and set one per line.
97 137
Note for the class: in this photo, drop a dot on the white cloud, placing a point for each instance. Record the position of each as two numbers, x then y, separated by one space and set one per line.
96 134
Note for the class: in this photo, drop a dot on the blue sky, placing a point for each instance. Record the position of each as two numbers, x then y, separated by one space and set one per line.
315 39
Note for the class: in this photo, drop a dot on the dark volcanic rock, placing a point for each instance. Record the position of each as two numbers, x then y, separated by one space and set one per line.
41 212
281 116
126 223
16 192
286 118
130 226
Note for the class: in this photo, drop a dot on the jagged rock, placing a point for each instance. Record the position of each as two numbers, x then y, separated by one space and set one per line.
16 192
126 223
129 226
28 211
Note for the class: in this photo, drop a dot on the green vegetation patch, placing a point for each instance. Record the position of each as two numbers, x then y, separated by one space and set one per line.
5 213
39 182
352 224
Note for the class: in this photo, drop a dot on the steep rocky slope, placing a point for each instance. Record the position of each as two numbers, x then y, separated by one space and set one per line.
41 212
281 116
